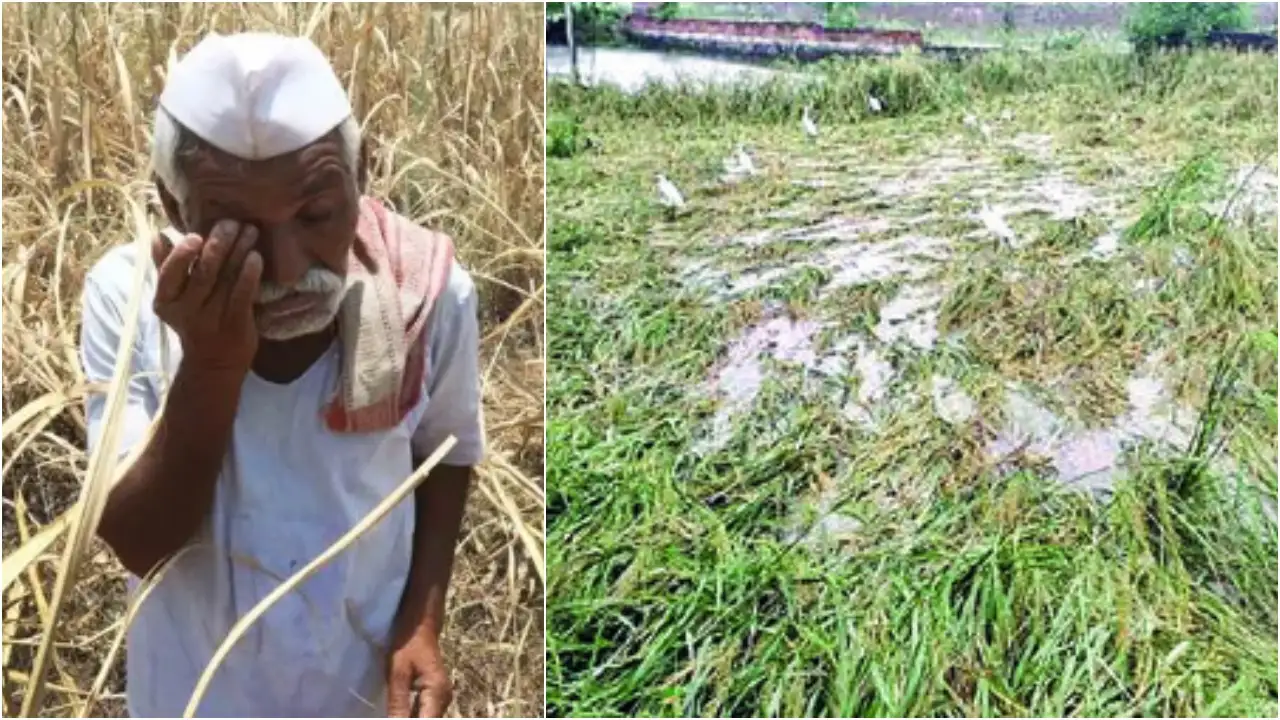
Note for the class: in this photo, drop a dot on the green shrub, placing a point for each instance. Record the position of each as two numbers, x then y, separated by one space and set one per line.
563 136
1182 22
594 22
839 15
597 22
667 11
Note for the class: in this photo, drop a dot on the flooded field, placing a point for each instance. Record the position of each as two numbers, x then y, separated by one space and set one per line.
922 224
827 426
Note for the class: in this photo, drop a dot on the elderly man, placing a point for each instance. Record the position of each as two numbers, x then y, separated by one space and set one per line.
321 348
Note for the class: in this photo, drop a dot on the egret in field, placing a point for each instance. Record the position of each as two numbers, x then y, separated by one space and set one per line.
807 124
739 163
1006 115
972 122
745 164
995 222
874 104
669 193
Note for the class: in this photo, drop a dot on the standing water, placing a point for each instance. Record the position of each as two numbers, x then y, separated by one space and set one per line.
630 69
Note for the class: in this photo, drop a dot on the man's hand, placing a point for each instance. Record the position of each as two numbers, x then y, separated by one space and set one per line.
416 663
205 292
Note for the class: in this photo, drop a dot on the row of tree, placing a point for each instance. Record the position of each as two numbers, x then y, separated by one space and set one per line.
1149 24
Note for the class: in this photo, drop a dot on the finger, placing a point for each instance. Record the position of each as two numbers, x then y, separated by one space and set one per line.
398 700
240 301
231 268
173 274
212 256
433 703
160 249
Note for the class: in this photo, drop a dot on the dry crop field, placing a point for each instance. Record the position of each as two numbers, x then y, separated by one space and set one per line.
452 98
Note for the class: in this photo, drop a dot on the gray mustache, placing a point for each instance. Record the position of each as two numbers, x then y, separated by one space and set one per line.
318 280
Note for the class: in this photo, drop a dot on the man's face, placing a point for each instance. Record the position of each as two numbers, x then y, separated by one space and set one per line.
305 207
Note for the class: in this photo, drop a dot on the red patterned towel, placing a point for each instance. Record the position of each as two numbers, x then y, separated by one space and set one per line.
397 271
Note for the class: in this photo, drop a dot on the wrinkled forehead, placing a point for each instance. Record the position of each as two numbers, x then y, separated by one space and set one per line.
317 170
319 156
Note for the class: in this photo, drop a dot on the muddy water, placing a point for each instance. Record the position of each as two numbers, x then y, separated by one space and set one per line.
1090 459
737 381
630 70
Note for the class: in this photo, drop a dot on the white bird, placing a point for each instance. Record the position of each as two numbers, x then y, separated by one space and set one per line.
808 125
995 222
1006 115
874 104
745 163
973 123
669 194
739 163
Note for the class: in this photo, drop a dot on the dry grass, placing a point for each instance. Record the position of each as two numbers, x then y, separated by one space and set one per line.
452 96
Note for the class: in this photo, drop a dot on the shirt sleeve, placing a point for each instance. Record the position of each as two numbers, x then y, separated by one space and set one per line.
452 382
102 323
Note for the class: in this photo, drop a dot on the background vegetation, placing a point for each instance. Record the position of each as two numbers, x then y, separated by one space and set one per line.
1187 21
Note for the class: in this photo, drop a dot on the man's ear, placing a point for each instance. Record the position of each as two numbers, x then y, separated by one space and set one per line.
362 167
172 210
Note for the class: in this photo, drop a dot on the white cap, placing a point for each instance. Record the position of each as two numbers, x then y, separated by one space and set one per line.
255 95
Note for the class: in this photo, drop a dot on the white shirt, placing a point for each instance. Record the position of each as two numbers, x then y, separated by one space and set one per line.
288 488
